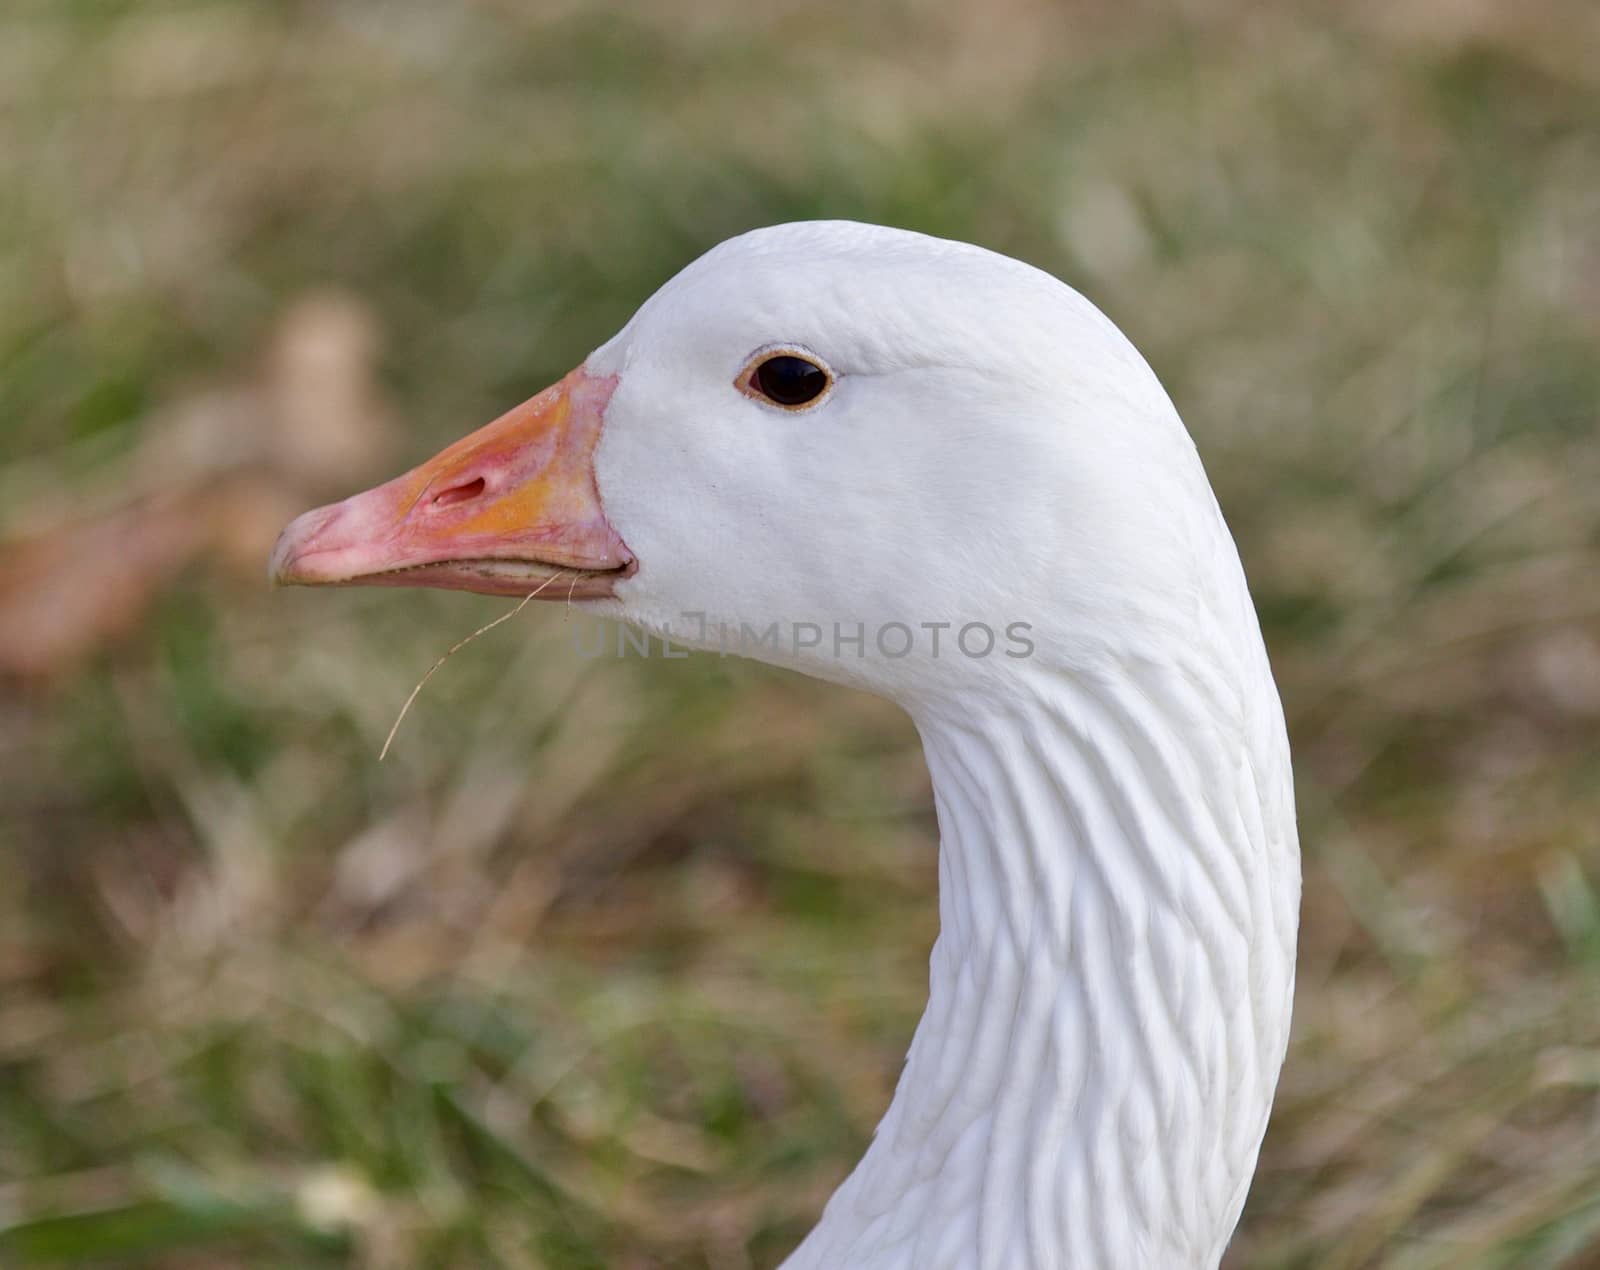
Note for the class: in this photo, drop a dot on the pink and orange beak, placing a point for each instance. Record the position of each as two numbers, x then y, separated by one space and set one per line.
503 511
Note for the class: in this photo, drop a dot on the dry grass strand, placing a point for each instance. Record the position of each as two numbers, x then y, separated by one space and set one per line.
456 648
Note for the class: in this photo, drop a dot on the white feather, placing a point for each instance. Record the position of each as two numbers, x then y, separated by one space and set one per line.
1110 992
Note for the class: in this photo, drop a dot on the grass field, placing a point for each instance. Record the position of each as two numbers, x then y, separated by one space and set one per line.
613 963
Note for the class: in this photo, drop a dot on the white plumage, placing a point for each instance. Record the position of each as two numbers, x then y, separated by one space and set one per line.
1109 995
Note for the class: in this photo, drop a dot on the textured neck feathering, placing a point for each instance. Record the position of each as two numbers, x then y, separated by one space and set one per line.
1110 989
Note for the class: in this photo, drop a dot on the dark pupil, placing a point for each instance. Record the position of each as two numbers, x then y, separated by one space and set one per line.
790 381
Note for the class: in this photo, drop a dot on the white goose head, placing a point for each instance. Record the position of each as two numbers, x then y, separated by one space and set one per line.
942 475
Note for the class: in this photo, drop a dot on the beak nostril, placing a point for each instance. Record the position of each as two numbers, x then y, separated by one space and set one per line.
459 494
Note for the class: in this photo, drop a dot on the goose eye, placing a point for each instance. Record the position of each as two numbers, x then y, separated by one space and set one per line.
789 380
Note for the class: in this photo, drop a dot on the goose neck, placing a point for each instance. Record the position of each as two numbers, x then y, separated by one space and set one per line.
1109 990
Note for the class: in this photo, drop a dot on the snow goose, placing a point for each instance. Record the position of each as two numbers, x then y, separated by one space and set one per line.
941 475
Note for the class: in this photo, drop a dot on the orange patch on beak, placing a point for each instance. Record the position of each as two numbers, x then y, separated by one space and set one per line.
501 511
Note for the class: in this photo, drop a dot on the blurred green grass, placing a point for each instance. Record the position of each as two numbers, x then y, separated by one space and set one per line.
614 963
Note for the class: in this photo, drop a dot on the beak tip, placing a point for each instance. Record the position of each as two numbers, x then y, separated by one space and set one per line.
286 565
277 564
